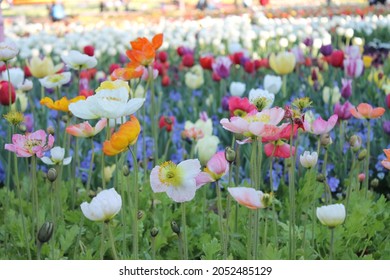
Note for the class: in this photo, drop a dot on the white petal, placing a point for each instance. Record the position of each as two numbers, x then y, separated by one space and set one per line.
47 160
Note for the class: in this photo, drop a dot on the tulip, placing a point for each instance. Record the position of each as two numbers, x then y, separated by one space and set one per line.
353 68
4 93
308 160
272 83
41 68
221 66
346 89
237 89
283 63
343 111
336 59
331 215
103 207
8 50
331 95
206 148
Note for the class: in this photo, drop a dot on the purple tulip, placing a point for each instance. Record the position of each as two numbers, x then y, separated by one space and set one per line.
326 50
353 67
343 111
225 103
221 66
308 42
346 89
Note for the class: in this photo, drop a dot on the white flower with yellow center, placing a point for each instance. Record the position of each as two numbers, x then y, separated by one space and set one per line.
178 181
79 61
57 157
56 80
111 101
262 99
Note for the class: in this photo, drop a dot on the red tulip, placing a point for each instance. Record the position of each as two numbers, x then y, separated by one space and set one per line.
336 59
4 93
89 50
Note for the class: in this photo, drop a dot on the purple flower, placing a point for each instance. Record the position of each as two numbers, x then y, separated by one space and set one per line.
353 67
343 111
29 122
298 53
308 42
346 89
326 50
221 66
386 127
225 103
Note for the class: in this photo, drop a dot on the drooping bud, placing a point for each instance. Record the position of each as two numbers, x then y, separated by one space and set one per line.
267 199
52 174
230 154
175 227
125 170
321 178
154 231
45 232
362 155
356 142
325 139
374 183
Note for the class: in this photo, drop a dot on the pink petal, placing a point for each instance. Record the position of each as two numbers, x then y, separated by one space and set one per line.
248 197
202 179
218 164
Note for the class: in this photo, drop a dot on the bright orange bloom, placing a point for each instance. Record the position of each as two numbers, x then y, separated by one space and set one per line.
386 162
143 51
60 105
131 71
365 111
126 136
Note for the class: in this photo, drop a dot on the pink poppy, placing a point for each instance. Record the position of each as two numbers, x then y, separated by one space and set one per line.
248 197
320 126
30 144
278 149
240 106
85 129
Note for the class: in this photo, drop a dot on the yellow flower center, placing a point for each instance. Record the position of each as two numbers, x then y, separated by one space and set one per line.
169 174
29 144
55 78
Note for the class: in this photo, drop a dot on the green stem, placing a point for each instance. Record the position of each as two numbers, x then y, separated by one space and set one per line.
74 167
102 170
220 221
284 86
153 114
112 241
35 193
21 212
102 244
184 232
265 232
135 214
368 158
331 249
291 183
90 166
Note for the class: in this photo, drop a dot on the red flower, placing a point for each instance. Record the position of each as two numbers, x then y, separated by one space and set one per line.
240 106
27 72
278 149
336 58
4 93
89 50
388 101
166 122
206 62
261 63
113 67
236 57
86 92
188 60
165 81
163 56
216 77
249 67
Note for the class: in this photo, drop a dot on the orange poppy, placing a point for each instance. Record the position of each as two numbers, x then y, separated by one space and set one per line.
60 105
131 71
143 51
126 136
366 111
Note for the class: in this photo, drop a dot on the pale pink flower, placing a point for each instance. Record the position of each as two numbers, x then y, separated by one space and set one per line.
85 129
30 144
320 126
217 166
255 123
178 181
248 197
353 68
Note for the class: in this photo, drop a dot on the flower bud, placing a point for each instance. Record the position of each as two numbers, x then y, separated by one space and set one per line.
22 127
355 142
321 178
140 214
125 170
52 174
50 130
362 155
374 183
154 231
175 227
361 177
331 215
325 139
45 232
65 118
308 160
230 154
